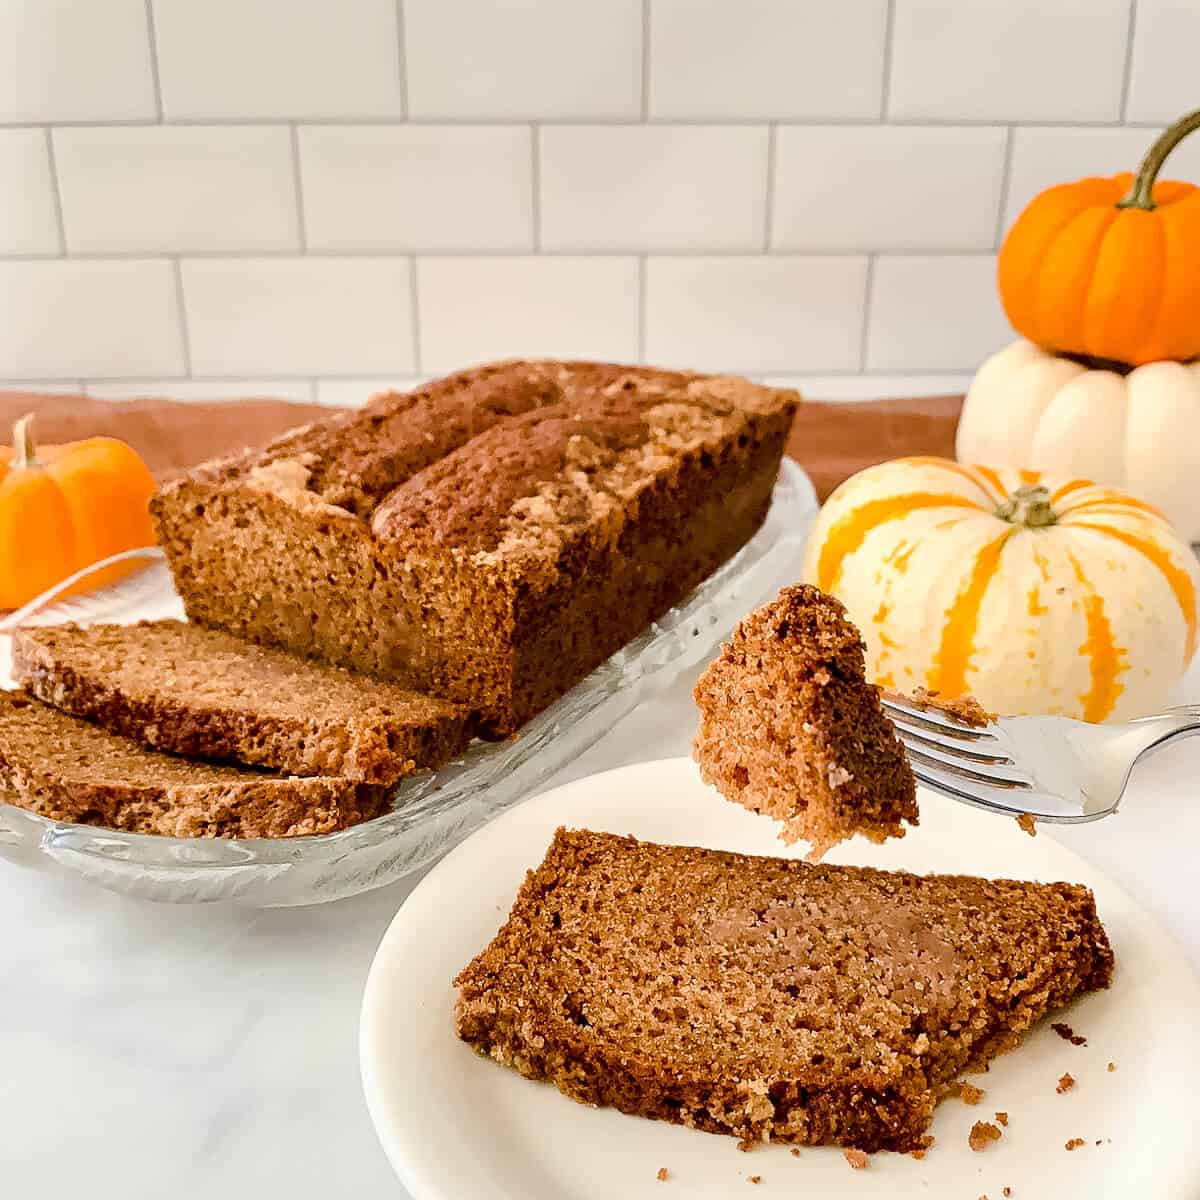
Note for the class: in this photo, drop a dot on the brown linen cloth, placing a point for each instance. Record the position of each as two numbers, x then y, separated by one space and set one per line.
830 440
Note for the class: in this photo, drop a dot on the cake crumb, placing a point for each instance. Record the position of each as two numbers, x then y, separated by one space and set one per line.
1065 1084
663 1175
1074 1143
923 1147
795 1151
1067 1034
970 1093
1112 1066
1002 1117
982 1134
1006 1191
756 1179
856 1158
1028 822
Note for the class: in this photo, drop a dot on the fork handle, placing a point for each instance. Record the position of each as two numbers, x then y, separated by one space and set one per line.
1150 734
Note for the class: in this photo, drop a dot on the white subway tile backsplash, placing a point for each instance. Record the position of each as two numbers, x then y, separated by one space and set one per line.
75 62
1008 60
1047 156
227 59
418 187
723 59
175 188
61 318
365 192
304 316
476 309
878 187
531 59
755 314
644 187
354 393
1162 82
27 214
298 390
934 313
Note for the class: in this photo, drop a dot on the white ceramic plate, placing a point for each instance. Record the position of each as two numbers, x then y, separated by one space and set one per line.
456 1126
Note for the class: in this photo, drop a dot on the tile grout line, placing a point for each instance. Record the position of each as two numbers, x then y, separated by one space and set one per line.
1127 76
56 196
1005 185
390 253
486 121
645 61
185 340
868 287
298 189
152 39
535 197
769 217
414 299
885 86
402 52
641 309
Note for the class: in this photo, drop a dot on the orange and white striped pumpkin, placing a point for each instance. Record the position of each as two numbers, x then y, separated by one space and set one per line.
1035 595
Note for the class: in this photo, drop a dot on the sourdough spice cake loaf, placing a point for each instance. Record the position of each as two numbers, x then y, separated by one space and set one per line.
491 537
765 997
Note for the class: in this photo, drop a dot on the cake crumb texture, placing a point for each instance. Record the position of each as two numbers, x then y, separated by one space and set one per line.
68 769
205 694
1028 822
789 726
970 1093
1075 1142
856 1158
769 998
1065 1084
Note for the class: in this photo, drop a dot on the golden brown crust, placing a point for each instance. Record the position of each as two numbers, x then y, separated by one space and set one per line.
204 694
769 998
491 537
790 727
70 770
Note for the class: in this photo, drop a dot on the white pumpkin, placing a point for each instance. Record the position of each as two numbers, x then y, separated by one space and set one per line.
1140 431
1033 594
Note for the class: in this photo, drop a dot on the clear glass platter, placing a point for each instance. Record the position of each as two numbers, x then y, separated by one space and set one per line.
433 811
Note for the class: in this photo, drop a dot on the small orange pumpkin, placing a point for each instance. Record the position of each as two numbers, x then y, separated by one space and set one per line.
1109 269
65 507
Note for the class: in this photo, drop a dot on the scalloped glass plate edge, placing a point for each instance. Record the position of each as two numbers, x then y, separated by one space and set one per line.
431 812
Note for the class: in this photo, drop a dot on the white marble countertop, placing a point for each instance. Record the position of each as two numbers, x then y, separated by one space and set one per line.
151 1051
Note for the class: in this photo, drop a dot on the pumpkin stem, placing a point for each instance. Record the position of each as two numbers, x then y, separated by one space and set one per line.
1141 195
1028 506
24 450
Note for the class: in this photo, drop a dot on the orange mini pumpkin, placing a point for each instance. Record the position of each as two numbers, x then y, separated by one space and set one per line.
1109 269
65 507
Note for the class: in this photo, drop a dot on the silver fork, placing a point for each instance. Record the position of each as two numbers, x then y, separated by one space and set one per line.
1053 768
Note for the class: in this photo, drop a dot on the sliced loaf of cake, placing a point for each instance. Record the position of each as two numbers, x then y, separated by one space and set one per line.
790 727
769 998
71 770
206 694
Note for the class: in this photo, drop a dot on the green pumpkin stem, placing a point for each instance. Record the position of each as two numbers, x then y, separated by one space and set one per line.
1028 506
24 451
1141 195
